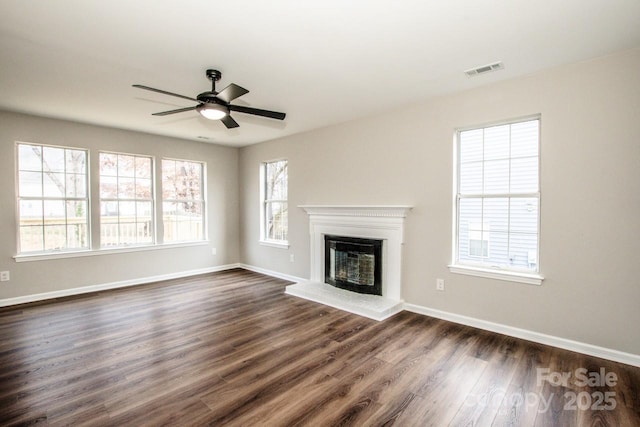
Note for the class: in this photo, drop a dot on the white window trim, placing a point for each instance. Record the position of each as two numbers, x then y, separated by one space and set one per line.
508 275
107 251
279 244
531 278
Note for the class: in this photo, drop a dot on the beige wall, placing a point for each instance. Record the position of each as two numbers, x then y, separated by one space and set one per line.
28 278
590 203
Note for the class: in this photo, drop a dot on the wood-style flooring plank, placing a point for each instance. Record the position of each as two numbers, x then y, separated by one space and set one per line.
230 348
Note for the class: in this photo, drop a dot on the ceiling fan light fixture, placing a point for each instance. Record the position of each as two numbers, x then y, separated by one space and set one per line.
212 111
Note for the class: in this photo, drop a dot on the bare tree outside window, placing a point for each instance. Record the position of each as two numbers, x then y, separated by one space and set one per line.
52 198
275 205
182 200
126 200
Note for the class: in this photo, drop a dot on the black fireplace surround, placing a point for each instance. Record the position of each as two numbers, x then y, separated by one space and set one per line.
353 264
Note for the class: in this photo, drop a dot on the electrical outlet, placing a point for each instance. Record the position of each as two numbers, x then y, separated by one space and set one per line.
214 251
440 285
4 276
292 258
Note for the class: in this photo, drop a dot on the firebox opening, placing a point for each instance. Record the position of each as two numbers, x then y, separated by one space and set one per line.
353 264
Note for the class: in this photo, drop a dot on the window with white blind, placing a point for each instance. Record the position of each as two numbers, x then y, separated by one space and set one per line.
498 201
274 223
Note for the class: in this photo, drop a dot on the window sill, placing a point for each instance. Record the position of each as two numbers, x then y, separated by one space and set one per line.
107 251
510 276
275 244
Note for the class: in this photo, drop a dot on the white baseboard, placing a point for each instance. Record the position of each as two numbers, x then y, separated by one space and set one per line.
579 347
113 285
272 273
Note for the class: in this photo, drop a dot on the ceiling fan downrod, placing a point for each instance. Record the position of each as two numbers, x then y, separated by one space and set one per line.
214 76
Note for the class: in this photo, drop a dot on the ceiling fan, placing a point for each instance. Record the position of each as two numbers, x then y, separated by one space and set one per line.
215 105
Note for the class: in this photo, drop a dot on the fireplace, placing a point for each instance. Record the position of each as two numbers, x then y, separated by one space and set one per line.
369 244
353 264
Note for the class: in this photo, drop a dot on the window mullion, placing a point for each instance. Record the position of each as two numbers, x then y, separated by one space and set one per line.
44 227
500 195
483 192
509 202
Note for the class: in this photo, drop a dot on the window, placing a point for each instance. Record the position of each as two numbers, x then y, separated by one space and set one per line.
126 200
274 179
498 197
54 211
182 200
52 199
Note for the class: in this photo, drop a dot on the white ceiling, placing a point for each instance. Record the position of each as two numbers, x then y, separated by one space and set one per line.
321 62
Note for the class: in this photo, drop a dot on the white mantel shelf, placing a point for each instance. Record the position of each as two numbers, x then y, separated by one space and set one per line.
389 211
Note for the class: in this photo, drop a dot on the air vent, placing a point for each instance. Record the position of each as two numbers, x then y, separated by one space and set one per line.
484 69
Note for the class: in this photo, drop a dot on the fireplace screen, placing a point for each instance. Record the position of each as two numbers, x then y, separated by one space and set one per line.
353 264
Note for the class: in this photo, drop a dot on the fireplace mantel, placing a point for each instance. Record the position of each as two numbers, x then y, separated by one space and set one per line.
398 211
382 222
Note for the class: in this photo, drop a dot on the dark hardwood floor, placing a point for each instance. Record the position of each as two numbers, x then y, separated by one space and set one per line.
230 348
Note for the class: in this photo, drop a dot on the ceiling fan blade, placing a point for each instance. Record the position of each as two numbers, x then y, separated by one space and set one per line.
229 122
257 112
164 92
179 110
231 92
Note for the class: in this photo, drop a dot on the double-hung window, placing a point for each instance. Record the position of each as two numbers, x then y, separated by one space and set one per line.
274 213
53 203
183 203
126 200
498 201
